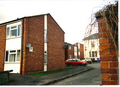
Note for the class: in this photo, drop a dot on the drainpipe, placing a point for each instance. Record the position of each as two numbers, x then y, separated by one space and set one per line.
21 61
119 59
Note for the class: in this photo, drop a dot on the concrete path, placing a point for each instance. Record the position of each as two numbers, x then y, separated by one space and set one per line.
45 79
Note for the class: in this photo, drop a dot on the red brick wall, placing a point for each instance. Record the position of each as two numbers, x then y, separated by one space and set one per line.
81 51
55 43
70 52
33 33
2 46
108 55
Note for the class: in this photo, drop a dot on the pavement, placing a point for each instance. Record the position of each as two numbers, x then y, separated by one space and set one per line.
45 79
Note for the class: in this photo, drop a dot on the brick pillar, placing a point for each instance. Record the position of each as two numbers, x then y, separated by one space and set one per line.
81 51
108 54
2 46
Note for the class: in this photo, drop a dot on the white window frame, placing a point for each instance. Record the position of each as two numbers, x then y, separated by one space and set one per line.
90 54
69 47
93 53
13 29
70 56
12 53
92 44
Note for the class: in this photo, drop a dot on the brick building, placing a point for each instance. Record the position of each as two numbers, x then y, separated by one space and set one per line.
70 51
80 50
31 44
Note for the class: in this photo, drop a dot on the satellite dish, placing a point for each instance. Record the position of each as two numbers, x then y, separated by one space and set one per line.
28 45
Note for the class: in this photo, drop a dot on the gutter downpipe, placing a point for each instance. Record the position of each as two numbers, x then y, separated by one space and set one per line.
22 32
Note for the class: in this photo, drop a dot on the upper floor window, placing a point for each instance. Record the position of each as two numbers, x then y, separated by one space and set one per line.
70 56
13 31
92 44
69 47
75 49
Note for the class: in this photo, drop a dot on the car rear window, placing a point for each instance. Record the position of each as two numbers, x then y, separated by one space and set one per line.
73 59
78 59
69 60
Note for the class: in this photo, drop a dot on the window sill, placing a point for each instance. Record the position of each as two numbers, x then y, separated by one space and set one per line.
12 62
13 37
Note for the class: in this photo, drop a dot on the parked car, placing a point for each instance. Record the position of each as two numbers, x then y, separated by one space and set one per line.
75 61
88 60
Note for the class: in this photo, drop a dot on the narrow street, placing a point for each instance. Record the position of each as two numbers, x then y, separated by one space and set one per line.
92 77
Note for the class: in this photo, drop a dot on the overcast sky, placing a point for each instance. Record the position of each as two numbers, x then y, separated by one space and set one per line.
72 15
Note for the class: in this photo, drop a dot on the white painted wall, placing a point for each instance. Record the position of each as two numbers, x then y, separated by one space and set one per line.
12 66
75 52
87 44
13 44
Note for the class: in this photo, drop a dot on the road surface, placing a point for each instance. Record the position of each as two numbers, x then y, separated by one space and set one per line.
92 77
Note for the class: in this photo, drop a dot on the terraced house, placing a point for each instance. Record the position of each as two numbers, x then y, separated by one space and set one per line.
70 51
31 44
91 47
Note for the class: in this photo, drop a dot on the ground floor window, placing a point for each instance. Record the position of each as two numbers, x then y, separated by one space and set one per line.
94 54
12 55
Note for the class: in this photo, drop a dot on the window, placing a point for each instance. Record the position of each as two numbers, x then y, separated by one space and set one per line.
75 52
19 30
7 55
12 55
95 53
92 44
13 31
90 54
70 56
18 55
75 49
69 47
12 58
8 32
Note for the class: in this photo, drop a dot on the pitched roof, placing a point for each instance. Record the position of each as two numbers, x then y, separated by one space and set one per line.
29 17
94 36
21 19
66 44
